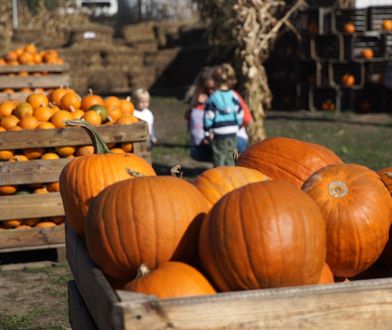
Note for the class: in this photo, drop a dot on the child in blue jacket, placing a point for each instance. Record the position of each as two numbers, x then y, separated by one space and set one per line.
223 116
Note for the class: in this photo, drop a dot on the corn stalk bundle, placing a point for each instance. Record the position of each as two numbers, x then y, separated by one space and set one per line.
249 28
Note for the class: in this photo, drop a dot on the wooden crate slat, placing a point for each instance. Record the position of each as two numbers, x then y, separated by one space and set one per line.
359 305
92 284
33 171
31 206
16 240
34 68
49 81
73 136
79 316
17 96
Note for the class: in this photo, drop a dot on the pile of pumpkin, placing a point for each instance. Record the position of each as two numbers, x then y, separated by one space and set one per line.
289 213
48 112
29 55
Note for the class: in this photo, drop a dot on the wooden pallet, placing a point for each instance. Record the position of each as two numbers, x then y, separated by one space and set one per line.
365 304
45 171
57 75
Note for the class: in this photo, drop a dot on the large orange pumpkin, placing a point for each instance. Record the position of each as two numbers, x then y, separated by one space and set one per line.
217 182
263 235
170 280
357 209
132 222
84 177
288 159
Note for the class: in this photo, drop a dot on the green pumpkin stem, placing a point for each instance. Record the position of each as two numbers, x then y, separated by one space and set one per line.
100 147
134 173
176 170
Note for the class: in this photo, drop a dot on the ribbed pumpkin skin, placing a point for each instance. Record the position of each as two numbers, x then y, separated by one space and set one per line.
217 182
145 220
326 275
263 235
357 209
84 177
287 159
386 177
171 280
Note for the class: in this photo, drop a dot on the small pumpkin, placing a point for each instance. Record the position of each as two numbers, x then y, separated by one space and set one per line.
149 227
101 110
367 53
45 224
90 100
349 28
387 25
170 280
263 235
23 109
78 180
287 159
357 209
217 182
348 80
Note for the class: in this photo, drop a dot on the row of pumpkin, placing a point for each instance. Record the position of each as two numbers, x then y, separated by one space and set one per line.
290 213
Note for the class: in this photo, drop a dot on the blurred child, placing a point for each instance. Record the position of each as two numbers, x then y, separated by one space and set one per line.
223 116
141 99
205 85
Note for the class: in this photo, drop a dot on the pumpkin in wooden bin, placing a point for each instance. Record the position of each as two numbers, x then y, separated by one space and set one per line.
367 53
90 100
145 220
170 280
263 235
84 177
387 25
357 209
349 28
348 80
217 182
287 159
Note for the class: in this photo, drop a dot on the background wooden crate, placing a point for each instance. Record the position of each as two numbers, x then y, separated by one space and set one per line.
45 171
356 305
57 75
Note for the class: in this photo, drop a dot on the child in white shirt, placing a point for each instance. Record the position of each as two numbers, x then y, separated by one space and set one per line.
141 98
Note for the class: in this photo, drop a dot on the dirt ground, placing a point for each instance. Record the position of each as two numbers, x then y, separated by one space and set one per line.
35 296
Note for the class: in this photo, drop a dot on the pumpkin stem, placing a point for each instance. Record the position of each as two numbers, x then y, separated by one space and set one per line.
72 108
134 173
236 155
142 271
338 189
176 170
128 98
90 91
388 174
99 144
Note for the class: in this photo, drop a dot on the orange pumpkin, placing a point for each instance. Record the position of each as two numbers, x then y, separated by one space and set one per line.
287 159
170 280
29 123
6 108
89 100
348 80
273 240
11 223
367 53
93 118
126 120
127 108
6 154
114 113
31 222
357 209
177 221
45 224
349 28
85 150
43 113
65 151
127 147
56 95
33 153
54 187
23 109
59 118
38 100
46 126
70 100
7 190
78 184
50 156
218 181
112 101
117 151
9 121
387 25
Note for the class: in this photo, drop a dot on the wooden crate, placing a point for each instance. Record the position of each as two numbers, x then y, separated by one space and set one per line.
365 304
57 75
45 171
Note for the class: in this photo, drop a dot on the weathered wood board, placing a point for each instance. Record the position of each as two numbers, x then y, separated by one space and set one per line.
355 305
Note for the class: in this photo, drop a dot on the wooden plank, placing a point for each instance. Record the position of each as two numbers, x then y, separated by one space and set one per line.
17 96
72 136
355 305
13 239
35 247
31 206
34 68
49 81
140 148
97 293
79 316
33 171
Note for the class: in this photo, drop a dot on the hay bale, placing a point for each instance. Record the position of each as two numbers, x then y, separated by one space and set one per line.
145 46
92 34
27 35
124 57
81 57
139 32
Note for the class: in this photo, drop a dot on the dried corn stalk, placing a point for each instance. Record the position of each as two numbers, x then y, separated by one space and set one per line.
249 27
